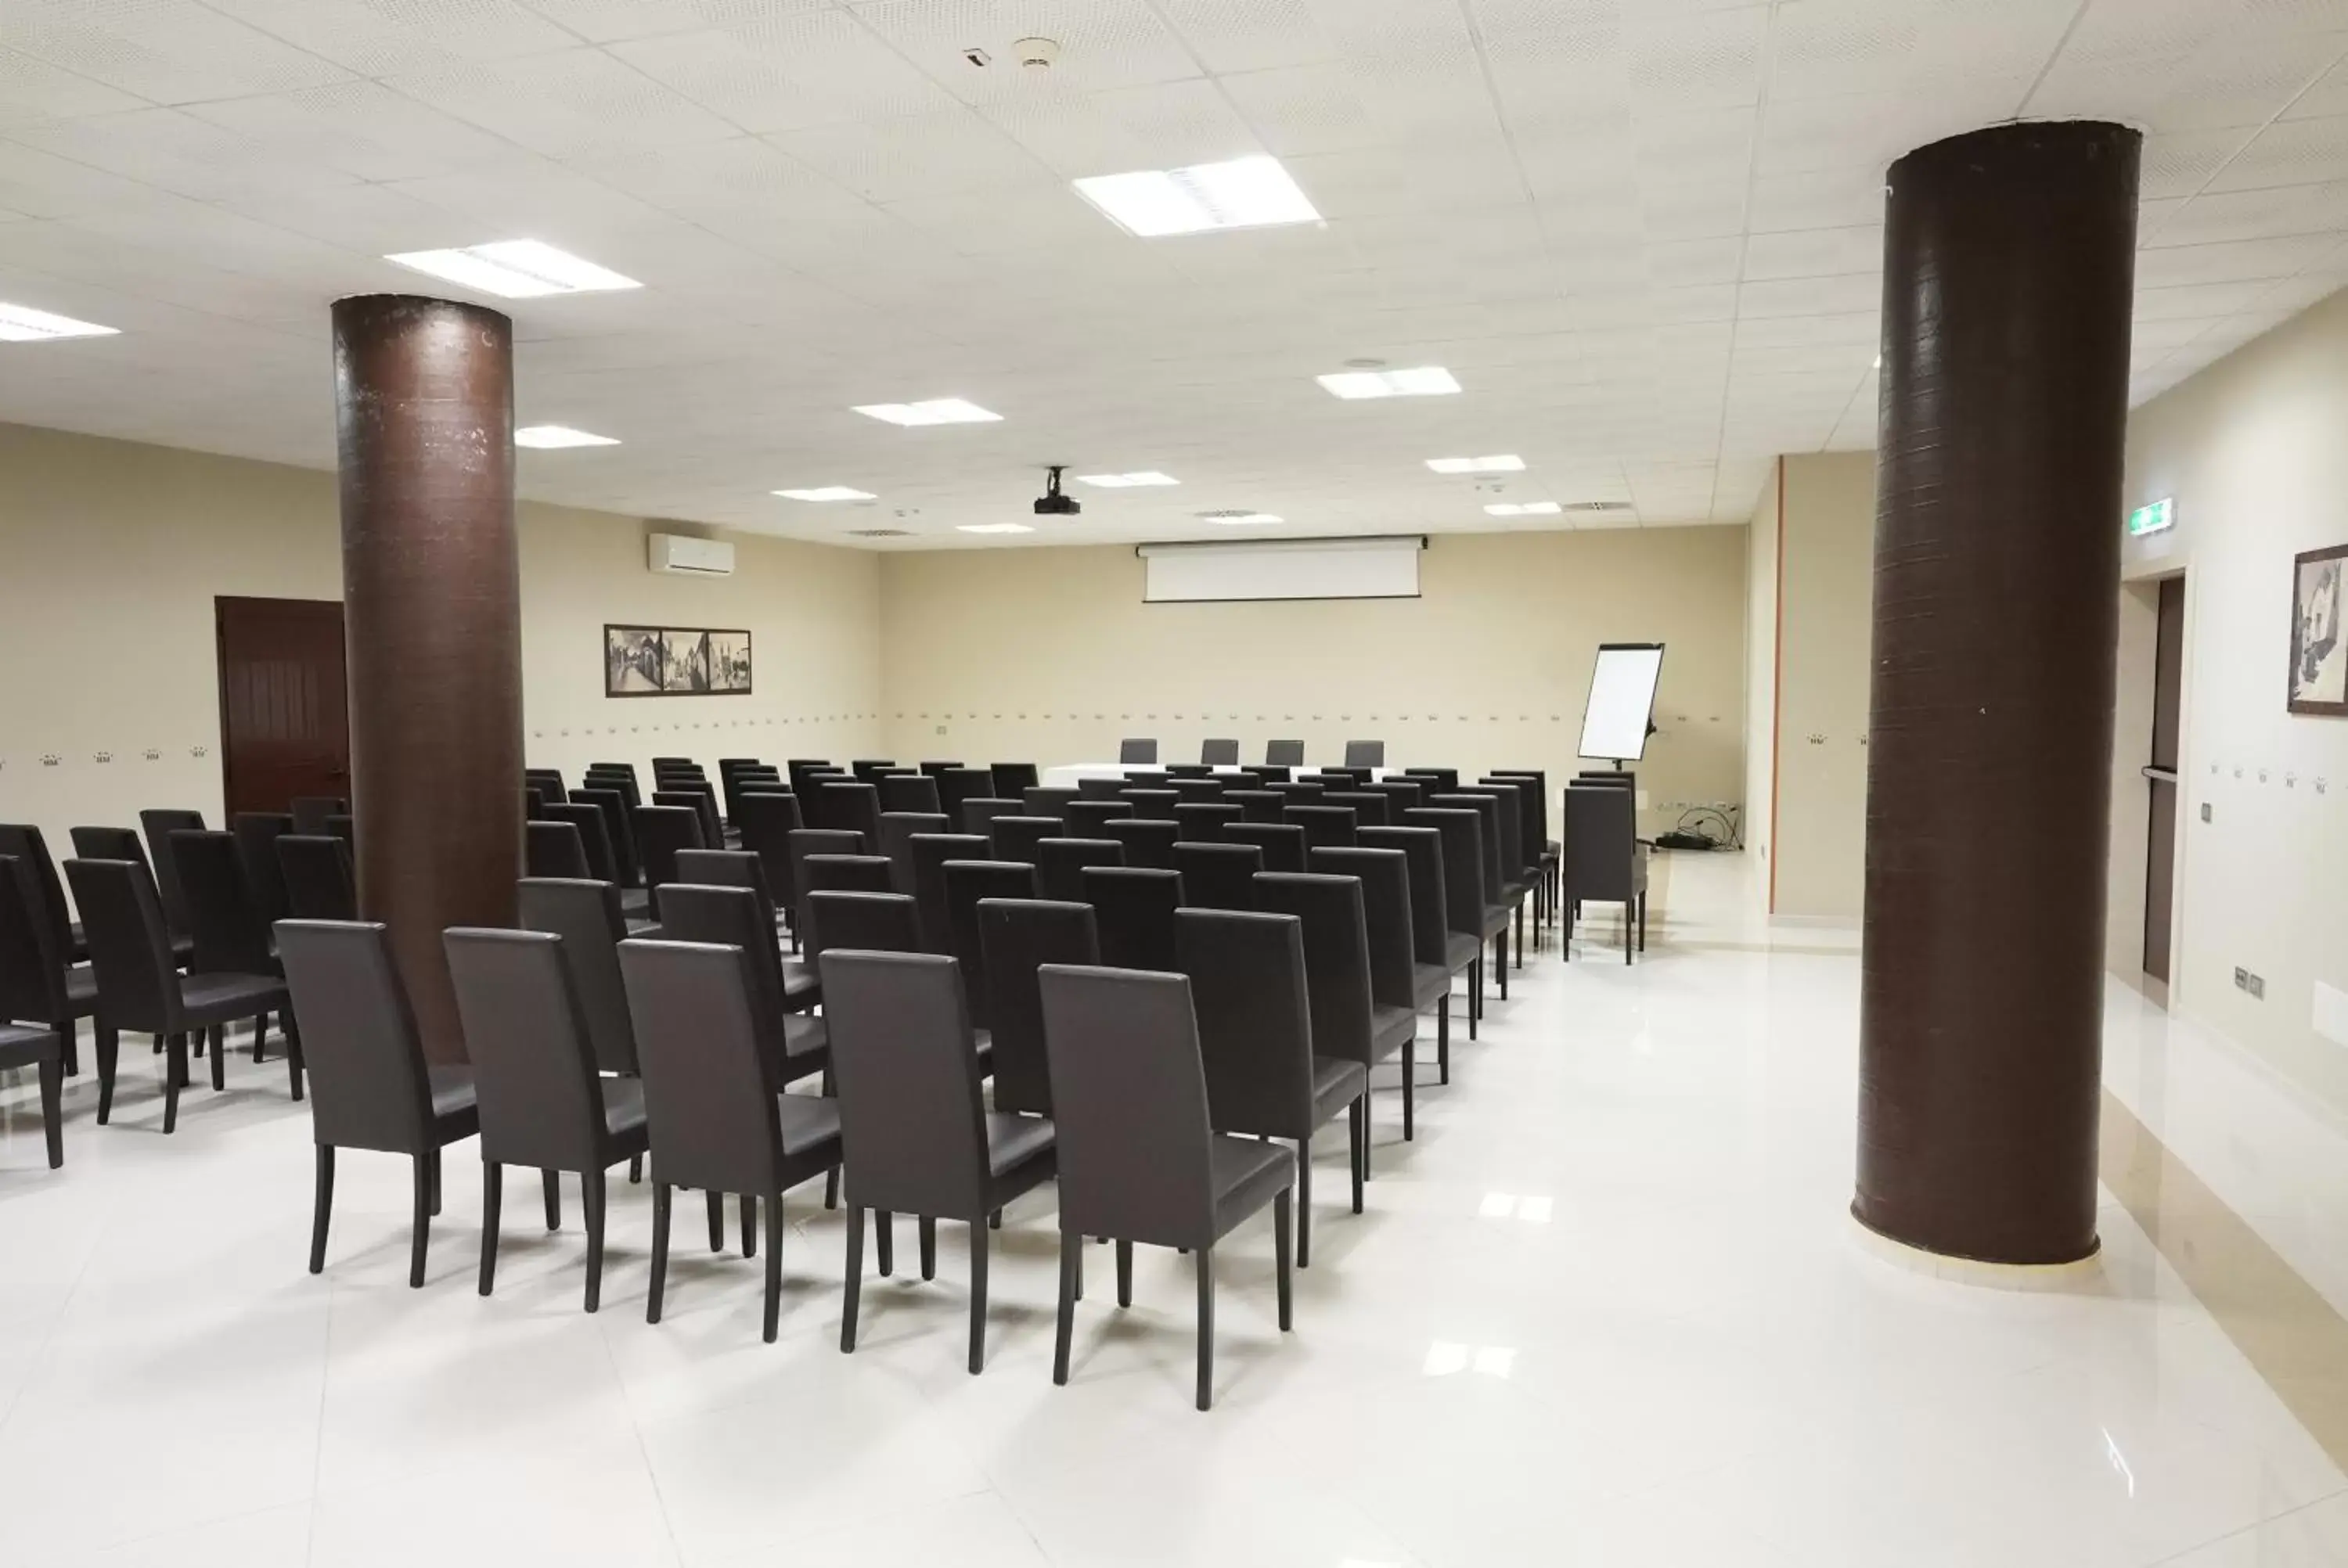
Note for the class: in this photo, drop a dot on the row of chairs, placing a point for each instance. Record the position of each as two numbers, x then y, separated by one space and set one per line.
1278 753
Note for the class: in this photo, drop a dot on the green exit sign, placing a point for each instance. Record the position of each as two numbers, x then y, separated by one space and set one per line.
2156 519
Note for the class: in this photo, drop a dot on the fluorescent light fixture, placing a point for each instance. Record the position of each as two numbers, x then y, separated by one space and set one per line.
1244 193
22 323
515 269
994 528
554 435
1426 381
827 493
1497 463
1524 508
936 411
1126 481
1245 519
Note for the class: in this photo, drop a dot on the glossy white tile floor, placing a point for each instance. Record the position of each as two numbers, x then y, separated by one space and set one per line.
1608 1309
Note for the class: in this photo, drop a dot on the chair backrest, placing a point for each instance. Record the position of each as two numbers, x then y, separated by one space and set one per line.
367 1082
897 831
24 841
586 916
32 970
1422 851
1130 1122
799 769
1336 954
1133 908
1255 1023
1510 827
1284 753
958 785
1218 876
1282 843
1219 753
1297 791
767 822
129 946
936 767
909 792
1189 770
1061 863
807 841
697 799
319 882
846 874
1368 807
931 853
979 812
1099 786
849 807
1202 822
883 922
620 777
528 1039
159 825
257 833
1137 751
1386 926
1532 795
867 769
1365 754
709 1102
1487 808
1400 795
310 811
1325 826
223 916
1440 781
1256 805
1016 936
728 868
968 882
629 869
661 832
550 849
1346 778
1013 780
1463 865
1600 842
910 1118
1046 800
1015 837
733 918
1087 818
1148 841
106 843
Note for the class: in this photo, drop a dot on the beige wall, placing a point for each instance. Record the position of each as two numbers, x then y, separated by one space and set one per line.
115 550
2251 450
1761 632
1051 655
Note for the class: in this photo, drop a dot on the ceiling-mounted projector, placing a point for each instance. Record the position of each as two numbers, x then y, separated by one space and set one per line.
1052 503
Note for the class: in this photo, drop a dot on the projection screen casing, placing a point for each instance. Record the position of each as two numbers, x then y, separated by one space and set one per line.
1282 569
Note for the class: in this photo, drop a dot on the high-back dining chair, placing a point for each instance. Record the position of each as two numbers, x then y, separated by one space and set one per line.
1061 864
1137 751
122 844
551 849
257 833
931 853
1283 754
1202 822
1133 908
661 832
1086 818
594 838
628 869
1218 876
1604 861
319 882
1016 936
1015 837
159 824
1148 841
587 916
1350 1020
23 841
1437 953
909 793
37 991
1013 780
958 785
1282 843
897 831
310 811
1219 752
1464 915
883 922
791 1040
967 883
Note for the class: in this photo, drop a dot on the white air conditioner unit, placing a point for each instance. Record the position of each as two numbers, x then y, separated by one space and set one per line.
686 557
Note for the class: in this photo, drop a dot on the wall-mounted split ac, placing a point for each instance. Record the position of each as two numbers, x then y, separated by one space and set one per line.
681 556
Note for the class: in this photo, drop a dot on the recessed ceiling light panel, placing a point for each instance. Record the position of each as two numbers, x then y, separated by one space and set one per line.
1244 193
1128 481
827 493
935 411
1497 463
1426 381
994 528
1524 509
515 270
548 437
22 323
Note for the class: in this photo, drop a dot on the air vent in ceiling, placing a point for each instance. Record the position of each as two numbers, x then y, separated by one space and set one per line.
1597 505
880 533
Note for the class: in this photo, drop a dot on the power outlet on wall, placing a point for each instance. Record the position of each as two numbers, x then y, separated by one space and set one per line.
2255 985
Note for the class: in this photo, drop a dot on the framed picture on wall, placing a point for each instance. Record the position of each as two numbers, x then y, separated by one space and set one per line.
675 661
2318 650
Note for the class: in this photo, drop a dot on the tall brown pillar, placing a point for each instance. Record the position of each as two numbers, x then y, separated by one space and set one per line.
2009 272
424 430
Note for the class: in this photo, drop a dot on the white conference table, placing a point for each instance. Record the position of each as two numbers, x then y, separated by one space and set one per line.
1066 774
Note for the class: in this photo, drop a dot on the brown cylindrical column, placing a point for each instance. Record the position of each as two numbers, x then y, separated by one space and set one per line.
2009 272
431 589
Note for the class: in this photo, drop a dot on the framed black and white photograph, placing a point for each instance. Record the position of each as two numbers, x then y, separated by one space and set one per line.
675 661
2319 657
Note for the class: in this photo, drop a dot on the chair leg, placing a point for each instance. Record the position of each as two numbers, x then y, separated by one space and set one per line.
1475 994
885 1241
219 1038
1410 1088
978 1251
432 1171
1642 922
1205 1267
773 1204
1280 1252
295 1066
1520 936
421 1238
553 1182
53 1125
322 1207
830 1177
635 1170
69 1035
1071 1249
716 1221
749 1225
1304 1201
109 1046
493 1195
661 1207
260 1036
1500 953
175 1073
1124 1274
1361 1148
928 1228
1442 1039
854 1286
590 1192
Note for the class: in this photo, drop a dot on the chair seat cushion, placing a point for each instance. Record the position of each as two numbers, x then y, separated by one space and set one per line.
81 991
801 987
1496 919
623 1104
1429 983
809 1124
1246 1175
21 1047
1013 1141
455 1113
1391 1027
1336 1083
806 1048
1460 950
225 998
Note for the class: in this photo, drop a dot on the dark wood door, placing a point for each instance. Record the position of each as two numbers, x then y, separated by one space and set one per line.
2161 775
285 726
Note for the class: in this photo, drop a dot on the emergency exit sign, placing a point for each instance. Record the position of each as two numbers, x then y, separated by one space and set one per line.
2156 519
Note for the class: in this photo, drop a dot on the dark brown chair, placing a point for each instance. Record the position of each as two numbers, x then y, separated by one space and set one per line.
1520 872
43 1051
24 841
1369 807
931 853
920 1139
1156 804
979 812
1015 837
1435 954
1087 818
968 882
319 882
1549 851
1140 1159
35 986
720 916
698 796
868 769
956 785
1137 751
159 825
1603 860
848 874
586 916
1133 908
1015 936
1382 884
1439 781
1284 753
595 837
767 819
1100 786
807 841
1297 791
1495 889
741 868
936 767
718 1116
1203 822
852 808
540 1101
123 844
374 1090
1282 843
1349 1021
552 849
1148 841
1218 876
629 871
909 793
897 831
1219 753
257 833
1013 780
310 811
882 922
1039 800
1463 890
1256 805
1325 826
1061 863
661 831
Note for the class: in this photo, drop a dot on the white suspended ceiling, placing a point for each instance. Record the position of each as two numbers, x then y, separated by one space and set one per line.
1643 234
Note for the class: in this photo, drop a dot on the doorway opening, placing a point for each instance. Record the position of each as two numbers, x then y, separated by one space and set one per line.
2160 778
285 728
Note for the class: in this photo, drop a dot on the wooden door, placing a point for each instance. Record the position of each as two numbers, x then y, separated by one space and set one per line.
284 709
2161 775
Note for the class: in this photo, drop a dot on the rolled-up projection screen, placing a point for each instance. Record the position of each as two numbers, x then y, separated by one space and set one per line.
1282 569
